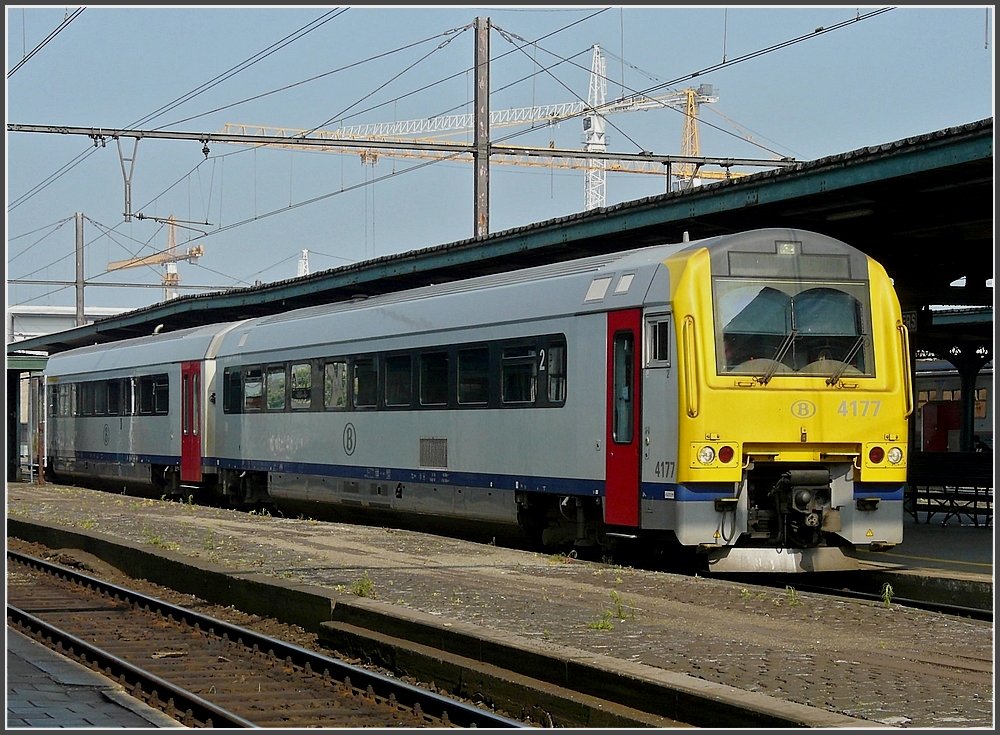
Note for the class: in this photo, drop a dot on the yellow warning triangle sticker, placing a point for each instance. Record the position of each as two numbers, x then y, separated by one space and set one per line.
870 533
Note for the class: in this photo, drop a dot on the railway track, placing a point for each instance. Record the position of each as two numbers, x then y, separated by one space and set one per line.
208 673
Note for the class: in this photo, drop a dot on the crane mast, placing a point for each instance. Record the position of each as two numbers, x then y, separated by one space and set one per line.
596 177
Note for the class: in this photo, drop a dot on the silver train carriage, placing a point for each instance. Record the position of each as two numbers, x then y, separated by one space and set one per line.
746 396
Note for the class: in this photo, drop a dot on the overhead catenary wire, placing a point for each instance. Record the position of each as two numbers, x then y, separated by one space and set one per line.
722 65
45 41
374 179
651 89
245 64
257 217
415 167
317 77
242 66
451 77
302 31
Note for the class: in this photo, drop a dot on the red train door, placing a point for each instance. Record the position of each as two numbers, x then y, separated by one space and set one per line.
190 422
621 484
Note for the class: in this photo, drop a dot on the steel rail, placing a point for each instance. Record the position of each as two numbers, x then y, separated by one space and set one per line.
458 713
183 705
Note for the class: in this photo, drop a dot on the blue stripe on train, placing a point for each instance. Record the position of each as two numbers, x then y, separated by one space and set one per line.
555 485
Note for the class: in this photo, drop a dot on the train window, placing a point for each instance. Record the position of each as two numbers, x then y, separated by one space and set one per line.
557 372
232 390
253 389
925 396
398 380
62 400
154 395
100 398
196 403
434 379
365 381
301 386
519 375
335 385
474 376
981 396
186 410
86 399
114 398
146 395
780 327
161 395
658 342
275 390
622 424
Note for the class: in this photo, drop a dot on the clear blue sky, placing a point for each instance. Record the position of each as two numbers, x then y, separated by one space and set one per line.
905 72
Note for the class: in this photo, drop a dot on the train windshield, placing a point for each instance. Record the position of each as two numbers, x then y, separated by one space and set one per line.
770 328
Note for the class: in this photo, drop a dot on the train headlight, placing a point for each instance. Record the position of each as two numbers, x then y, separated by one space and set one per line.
895 455
726 454
876 455
706 455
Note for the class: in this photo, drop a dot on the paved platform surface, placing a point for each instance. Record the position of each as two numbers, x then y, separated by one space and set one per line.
954 547
846 661
48 691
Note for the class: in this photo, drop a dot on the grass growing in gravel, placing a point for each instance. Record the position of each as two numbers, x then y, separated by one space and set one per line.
620 610
604 623
155 539
624 610
563 557
362 587
792 596
887 595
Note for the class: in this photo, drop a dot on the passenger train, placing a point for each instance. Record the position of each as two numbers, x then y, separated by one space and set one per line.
939 399
745 396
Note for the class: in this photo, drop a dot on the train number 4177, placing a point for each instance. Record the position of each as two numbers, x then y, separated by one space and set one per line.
664 469
859 408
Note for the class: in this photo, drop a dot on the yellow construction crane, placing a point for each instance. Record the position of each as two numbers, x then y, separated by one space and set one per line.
168 258
688 174
593 111
371 156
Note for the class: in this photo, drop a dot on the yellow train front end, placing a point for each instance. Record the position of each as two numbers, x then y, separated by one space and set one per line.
794 396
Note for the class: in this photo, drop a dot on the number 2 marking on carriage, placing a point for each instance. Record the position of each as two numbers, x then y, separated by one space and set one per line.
855 409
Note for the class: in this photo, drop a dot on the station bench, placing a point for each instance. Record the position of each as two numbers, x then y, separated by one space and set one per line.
951 484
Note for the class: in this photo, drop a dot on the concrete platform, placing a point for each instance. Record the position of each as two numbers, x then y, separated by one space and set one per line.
46 691
953 547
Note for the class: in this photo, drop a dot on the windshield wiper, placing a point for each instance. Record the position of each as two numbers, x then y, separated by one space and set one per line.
778 357
839 372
